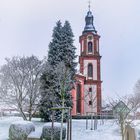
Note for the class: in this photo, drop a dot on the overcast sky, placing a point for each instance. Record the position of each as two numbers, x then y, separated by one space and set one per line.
26 28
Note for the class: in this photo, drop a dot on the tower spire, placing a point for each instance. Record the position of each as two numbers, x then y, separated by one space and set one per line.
89 27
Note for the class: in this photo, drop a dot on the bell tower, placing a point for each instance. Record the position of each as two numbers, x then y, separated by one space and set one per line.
89 60
87 92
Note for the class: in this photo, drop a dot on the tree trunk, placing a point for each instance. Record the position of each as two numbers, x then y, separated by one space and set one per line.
62 117
22 114
122 130
30 112
30 116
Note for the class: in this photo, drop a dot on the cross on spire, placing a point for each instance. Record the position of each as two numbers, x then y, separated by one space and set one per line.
89 5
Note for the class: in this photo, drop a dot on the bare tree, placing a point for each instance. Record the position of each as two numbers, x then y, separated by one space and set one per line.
20 83
122 108
136 97
137 88
90 94
64 81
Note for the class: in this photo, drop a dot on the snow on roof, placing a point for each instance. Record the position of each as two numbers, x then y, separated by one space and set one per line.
80 74
6 106
107 109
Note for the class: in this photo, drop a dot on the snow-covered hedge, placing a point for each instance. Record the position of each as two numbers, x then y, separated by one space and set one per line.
19 130
47 129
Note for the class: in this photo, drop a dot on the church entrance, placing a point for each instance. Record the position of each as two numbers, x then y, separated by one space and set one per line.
78 103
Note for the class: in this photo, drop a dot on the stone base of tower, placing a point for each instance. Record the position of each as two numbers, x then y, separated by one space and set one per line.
78 96
85 100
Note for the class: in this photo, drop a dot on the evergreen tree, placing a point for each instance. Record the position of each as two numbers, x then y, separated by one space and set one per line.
68 54
55 44
46 90
61 48
53 81
61 54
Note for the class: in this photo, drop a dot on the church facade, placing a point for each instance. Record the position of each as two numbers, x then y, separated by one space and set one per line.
87 95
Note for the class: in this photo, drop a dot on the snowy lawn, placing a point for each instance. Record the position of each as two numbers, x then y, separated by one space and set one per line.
107 131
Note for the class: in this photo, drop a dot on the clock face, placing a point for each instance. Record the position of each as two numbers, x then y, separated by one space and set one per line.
90 37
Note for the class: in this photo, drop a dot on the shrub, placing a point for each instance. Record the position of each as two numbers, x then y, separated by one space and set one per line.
20 130
47 130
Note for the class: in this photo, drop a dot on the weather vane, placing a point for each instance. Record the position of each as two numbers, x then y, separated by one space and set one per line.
89 4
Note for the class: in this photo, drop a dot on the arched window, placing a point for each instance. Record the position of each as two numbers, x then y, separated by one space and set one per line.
78 105
90 47
90 70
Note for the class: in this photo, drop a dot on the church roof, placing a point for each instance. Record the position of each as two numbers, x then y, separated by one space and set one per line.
89 27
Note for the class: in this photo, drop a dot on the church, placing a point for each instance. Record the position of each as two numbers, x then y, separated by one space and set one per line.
87 96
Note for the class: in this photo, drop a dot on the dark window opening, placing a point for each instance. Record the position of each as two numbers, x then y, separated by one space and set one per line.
90 102
90 47
78 107
90 70
90 89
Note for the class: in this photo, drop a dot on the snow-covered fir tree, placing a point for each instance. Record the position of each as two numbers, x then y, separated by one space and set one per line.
54 46
48 88
61 47
68 53
61 55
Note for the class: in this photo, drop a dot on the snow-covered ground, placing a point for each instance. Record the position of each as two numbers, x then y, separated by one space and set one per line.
107 131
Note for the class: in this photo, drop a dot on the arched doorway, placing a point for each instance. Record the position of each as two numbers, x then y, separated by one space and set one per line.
78 99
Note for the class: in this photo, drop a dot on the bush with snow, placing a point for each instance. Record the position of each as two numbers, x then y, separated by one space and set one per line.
19 130
47 130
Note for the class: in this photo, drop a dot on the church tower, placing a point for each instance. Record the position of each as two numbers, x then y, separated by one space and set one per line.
87 92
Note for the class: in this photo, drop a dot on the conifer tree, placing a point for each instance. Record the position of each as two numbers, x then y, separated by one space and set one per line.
46 89
68 49
61 50
55 44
